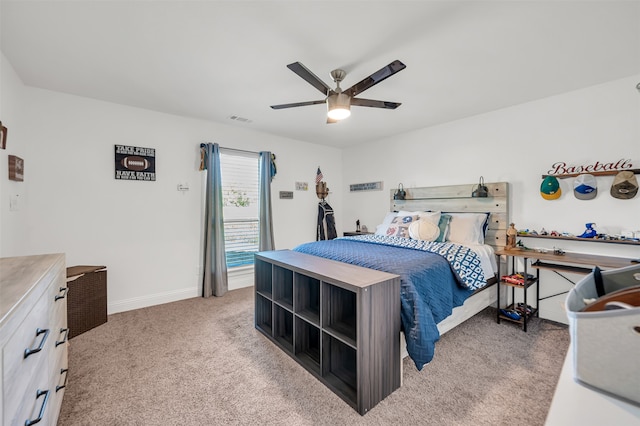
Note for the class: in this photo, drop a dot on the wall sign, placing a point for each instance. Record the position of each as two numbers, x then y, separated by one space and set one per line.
286 195
3 136
135 163
369 186
16 168
563 170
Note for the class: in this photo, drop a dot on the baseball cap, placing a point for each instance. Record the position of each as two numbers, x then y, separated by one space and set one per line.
550 188
585 187
625 185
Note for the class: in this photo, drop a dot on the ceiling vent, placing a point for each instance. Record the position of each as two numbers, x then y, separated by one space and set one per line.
239 119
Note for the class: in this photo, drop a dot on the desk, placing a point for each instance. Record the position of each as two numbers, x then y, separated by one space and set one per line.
574 404
559 261
579 263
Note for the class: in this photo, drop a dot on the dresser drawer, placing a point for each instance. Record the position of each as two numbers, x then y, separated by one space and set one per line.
58 293
36 399
34 334
58 374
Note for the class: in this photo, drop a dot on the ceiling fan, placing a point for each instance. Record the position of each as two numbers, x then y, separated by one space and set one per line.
339 101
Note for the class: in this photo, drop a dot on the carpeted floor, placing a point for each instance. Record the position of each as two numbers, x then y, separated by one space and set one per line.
201 362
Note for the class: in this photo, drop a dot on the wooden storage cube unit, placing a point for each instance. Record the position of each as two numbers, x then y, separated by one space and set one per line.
264 314
283 327
87 298
340 312
307 343
340 368
283 286
263 278
307 298
339 321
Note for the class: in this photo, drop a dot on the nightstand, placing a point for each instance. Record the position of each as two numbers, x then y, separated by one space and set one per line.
355 233
528 281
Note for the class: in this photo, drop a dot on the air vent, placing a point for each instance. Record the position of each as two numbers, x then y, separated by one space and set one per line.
239 119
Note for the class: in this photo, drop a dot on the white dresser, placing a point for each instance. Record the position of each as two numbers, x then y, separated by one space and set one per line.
33 338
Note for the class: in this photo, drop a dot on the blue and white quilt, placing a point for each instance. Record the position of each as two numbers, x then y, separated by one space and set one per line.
434 279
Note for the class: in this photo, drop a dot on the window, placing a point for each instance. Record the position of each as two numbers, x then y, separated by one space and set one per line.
240 183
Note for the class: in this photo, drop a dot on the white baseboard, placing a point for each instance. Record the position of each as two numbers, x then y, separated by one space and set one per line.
237 278
151 300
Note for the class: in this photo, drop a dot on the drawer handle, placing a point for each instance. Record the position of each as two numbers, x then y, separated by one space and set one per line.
42 407
58 296
39 331
66 334
66 376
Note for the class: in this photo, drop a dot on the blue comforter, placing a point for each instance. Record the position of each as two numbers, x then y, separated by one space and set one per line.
430 284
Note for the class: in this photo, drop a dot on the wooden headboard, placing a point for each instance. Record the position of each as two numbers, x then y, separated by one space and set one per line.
457 198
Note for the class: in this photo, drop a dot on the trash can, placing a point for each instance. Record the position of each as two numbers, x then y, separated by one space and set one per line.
86 299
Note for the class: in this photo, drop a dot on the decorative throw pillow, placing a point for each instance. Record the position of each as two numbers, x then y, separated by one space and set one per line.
399 226
443 226
382 228
424 230
433 217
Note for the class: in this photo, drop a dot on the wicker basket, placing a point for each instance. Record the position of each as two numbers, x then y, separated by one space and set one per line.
87 298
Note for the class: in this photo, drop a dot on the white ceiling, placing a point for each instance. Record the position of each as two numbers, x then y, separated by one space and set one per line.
215 59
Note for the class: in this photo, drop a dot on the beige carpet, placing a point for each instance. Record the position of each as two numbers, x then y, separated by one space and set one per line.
201 362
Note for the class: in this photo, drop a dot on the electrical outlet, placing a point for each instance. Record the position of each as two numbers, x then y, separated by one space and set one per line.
13 203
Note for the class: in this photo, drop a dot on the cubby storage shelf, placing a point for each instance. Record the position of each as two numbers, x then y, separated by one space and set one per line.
339 321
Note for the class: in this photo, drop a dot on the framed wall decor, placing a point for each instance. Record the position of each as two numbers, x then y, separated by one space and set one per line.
135 163
16 168
3 136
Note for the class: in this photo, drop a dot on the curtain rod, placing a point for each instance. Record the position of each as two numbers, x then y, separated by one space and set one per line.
233 149
240 150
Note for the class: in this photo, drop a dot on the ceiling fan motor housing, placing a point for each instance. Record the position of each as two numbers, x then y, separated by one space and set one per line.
338 76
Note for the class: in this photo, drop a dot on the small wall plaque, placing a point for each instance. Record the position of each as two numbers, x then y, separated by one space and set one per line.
3 136
286 195
369 186
16 168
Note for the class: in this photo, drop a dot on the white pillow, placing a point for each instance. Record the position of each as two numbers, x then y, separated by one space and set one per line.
467 228
382 228
433 217
424 230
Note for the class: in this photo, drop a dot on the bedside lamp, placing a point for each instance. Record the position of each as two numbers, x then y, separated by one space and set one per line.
481 190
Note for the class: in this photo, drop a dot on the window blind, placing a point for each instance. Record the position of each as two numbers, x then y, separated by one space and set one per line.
240 183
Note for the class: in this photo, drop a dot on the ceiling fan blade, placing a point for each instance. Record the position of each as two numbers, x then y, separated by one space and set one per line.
376 78
297 104
375 104
331 120
309 77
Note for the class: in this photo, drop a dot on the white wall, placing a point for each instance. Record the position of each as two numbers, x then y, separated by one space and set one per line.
517 145
13 227
146 233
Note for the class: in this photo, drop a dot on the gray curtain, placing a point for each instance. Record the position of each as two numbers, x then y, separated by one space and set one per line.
215 261
267 171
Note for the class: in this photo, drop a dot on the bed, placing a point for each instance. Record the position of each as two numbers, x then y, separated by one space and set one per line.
444 277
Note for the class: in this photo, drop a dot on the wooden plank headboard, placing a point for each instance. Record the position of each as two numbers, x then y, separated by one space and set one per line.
457 198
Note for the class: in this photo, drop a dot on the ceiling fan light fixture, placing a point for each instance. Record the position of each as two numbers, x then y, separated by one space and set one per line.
338 106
